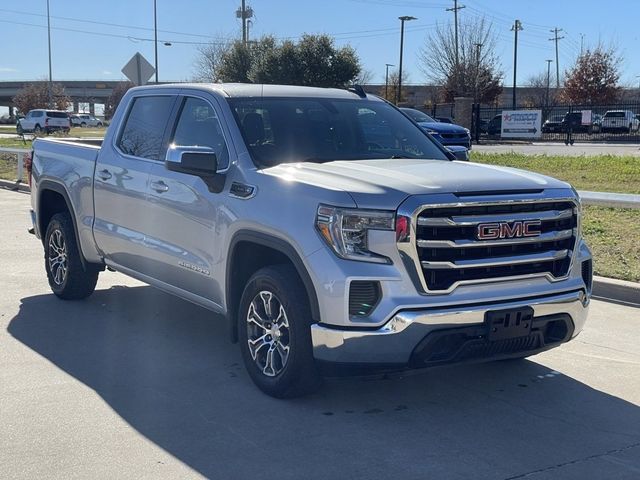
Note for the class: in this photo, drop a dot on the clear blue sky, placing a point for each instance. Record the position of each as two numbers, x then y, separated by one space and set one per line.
370 26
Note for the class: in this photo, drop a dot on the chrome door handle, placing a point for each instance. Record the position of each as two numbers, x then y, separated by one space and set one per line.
104 174
160 186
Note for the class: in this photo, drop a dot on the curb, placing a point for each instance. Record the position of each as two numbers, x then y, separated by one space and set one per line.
617 290
15 186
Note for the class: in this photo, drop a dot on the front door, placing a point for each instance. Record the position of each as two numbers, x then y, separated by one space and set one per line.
186 221
121 183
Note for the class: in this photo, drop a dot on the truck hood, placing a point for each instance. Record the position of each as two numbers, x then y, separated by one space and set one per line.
385 183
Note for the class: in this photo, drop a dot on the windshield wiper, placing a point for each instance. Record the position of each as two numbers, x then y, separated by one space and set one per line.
400 155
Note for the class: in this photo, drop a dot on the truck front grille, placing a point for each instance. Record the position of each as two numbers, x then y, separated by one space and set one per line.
450 252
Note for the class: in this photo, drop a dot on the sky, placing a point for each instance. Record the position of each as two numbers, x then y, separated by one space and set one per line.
92 40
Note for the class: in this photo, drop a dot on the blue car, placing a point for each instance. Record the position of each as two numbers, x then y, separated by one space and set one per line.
446 133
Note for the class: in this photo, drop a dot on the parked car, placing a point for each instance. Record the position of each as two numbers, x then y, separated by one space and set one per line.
445 133
495 125
553 124
620 121
445 119
47 121
321 242
84 120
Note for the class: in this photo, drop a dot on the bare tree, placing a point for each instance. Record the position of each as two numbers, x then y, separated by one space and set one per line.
208 62
36 95
477 73
390 93
537 90
364 77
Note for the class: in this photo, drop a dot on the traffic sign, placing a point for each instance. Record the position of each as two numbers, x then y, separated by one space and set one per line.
138 69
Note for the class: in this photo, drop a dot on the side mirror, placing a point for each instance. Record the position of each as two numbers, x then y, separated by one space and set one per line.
192 160
459 152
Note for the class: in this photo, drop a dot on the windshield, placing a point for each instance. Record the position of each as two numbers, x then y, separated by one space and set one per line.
286 130
418 116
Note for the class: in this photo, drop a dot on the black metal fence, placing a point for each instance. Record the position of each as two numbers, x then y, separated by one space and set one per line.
618 122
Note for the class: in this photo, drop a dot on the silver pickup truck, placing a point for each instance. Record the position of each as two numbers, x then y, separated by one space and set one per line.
325 225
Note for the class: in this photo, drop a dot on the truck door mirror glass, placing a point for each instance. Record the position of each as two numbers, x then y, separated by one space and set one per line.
460 152
192 160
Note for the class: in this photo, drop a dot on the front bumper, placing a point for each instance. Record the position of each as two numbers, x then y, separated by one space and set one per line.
394 343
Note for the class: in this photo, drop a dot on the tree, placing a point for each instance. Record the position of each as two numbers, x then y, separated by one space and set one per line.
36 95
593 79
478 73
114 99
394 75
537 91
313 61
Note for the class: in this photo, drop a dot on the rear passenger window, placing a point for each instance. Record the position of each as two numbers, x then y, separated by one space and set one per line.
198 125
145 125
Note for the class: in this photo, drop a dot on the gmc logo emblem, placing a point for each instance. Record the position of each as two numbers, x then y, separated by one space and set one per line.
500 230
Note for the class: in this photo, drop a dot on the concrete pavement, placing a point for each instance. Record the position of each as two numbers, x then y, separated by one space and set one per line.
550 148
133 383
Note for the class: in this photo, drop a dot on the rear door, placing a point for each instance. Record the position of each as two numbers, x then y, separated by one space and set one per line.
185 226
121 181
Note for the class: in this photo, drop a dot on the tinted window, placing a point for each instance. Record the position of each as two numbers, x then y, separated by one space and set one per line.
198 125
145 125
57 114
280 130
37 114
614 114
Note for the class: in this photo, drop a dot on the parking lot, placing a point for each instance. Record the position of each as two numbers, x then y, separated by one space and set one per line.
133 383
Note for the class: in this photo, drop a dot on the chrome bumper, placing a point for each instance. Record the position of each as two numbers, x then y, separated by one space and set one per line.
394 342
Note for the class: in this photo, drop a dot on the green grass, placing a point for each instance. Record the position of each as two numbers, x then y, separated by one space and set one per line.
613 234
602 173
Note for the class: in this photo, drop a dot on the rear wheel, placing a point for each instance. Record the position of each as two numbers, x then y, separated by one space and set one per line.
37 129
274 330
67 277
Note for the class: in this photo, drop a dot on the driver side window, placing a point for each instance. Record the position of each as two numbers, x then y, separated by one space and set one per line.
198 125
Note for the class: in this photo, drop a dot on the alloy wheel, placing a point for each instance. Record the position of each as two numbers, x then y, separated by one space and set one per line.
268 333
57 258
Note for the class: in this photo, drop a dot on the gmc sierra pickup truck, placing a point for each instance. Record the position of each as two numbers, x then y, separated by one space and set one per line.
324 224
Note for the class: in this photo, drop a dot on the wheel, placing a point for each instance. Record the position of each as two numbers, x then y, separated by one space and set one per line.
66 131
629 129
571 141
37 129
83 124
67 277
19 130
100 124
274 333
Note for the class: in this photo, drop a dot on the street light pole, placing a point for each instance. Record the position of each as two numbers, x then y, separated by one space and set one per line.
155 35
402 20
49 85
517 26
386 81
548 81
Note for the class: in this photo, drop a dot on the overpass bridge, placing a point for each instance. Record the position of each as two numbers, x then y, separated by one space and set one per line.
80 91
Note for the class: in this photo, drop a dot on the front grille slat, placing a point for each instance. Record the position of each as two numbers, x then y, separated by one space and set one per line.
467 220
550 256
449 252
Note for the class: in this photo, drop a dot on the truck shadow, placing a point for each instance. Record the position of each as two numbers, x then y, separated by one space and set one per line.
166 367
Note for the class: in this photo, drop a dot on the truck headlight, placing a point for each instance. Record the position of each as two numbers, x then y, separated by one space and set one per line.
346 231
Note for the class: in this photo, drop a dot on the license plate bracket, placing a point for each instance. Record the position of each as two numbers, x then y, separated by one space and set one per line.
508 323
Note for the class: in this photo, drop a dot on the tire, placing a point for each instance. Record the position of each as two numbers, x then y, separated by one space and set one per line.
37 129
83 125
285 337
629 129
67 277
100 125
19 130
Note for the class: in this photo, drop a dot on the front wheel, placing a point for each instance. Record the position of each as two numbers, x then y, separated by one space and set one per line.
67 277
38 129
274 331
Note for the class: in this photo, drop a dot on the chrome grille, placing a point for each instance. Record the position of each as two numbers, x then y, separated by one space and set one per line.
449 252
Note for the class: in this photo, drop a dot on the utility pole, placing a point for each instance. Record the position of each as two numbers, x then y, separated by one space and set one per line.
475 90
249 24
403 19
386 81
517 26
49 85
155 36
244 13
455 9
556 38
581 44
548 81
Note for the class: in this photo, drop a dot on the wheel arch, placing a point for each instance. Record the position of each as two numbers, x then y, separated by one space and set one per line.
53 198
265 250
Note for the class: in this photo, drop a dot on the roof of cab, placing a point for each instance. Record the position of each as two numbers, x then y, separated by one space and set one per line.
250 90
